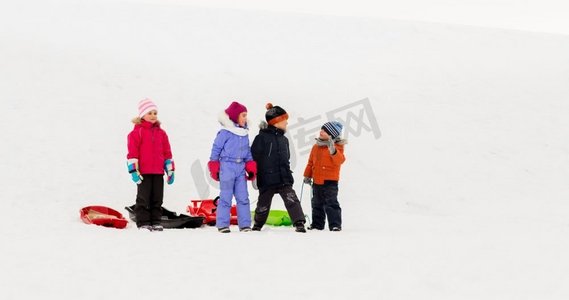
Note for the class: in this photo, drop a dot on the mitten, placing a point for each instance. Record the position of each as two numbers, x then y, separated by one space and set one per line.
132 165
331 146
307 180
213 166
169 168
251 169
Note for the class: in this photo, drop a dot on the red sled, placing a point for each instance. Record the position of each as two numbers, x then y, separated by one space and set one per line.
207 209
102 216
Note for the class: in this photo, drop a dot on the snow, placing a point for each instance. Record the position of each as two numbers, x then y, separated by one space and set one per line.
528 15
464 196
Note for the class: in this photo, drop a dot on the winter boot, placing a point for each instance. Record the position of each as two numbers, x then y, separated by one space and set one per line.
157 227
256 228
299 227
224 230
145 227
336 229
245 229
311 227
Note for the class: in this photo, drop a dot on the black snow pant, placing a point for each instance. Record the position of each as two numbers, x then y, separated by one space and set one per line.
325 203
291 203
149 200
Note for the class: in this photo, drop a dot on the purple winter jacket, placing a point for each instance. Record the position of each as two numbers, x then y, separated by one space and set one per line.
231 142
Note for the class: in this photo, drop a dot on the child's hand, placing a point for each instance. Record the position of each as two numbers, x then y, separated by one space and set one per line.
213 166
169 168
307 180
251 169
132 165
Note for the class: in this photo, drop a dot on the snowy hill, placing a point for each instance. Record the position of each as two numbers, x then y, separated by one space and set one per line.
458 193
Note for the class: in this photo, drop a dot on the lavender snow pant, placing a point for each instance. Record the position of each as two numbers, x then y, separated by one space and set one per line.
232 181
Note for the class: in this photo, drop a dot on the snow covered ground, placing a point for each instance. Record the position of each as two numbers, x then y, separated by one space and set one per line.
528 15
464 195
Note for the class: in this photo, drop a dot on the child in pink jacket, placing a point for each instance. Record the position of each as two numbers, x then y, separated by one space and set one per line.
149 156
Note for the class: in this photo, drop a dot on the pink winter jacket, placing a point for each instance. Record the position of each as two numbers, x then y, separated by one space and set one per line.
150 145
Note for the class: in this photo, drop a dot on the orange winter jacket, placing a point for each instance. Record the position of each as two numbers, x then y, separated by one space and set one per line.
322 166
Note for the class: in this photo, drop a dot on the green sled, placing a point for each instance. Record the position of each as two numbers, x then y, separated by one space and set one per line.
277 218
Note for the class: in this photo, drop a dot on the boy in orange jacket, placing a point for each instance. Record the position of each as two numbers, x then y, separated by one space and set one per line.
323 172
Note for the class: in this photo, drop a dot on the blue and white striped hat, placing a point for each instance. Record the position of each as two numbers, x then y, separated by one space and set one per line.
333 128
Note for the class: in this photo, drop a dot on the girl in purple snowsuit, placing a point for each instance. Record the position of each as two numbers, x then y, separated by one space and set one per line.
232 164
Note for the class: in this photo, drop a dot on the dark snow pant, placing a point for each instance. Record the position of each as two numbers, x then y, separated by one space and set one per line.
149 200
325 203
291 203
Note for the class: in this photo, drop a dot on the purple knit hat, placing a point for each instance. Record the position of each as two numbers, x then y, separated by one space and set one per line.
234 110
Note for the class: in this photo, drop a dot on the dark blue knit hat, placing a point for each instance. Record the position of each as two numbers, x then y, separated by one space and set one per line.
333 128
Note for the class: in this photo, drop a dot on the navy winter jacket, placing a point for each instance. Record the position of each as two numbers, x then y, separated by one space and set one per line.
270 150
